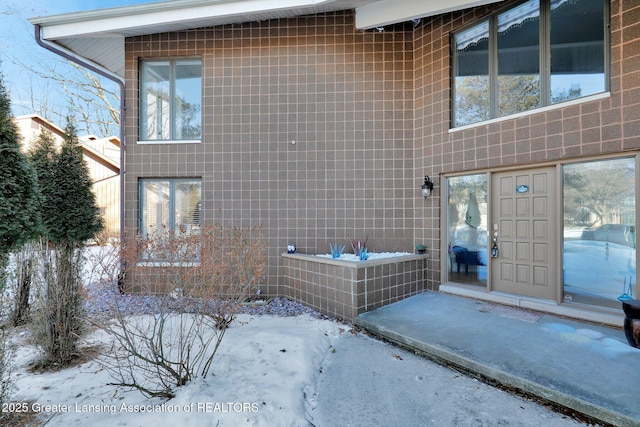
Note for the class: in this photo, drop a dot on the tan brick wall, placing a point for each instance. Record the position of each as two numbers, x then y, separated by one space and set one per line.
598 127
344 96
370 114
345 289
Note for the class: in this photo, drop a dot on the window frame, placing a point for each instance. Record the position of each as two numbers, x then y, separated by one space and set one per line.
142 121
142 228
478 181
544 67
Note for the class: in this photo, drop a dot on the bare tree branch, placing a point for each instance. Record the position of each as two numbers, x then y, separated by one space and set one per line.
95 104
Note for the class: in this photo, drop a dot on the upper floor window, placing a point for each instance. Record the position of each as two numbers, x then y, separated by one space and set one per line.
171 100
538 53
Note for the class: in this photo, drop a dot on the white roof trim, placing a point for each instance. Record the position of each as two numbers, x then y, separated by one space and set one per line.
150 17
97 36
386 12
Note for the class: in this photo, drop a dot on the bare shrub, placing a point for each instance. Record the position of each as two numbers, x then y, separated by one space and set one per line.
107 237
58 320
26 262
6 367
198 281
103 263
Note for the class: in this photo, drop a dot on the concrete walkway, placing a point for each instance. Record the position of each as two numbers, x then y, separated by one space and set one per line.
588 368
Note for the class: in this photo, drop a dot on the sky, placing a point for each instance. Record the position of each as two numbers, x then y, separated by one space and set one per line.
20 55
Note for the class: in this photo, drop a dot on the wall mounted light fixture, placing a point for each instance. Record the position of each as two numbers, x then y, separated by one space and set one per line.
427 187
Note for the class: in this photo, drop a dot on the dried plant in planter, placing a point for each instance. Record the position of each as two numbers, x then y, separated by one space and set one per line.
360 248
197 283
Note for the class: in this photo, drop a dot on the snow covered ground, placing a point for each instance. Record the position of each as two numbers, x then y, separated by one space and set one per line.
259 377
282 371
301 370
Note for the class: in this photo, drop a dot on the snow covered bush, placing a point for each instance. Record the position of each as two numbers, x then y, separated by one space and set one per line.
198 281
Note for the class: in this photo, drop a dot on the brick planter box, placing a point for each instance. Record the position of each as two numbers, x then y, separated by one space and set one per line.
345 289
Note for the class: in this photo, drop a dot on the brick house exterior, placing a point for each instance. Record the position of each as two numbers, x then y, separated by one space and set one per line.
323 132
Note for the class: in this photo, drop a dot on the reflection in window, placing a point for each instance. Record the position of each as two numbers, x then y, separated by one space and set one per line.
599 231
155 100
188 82
519 59
171 100
467 229
577 51
472 75
534 54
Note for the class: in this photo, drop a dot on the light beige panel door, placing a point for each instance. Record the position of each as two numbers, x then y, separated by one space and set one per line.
523 207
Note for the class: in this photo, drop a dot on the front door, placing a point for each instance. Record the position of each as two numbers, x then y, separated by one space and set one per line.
524 215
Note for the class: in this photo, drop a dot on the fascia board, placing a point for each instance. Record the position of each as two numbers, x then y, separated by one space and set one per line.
138 20
387 12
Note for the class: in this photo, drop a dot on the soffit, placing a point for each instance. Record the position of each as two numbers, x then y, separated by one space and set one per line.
97 36
387 12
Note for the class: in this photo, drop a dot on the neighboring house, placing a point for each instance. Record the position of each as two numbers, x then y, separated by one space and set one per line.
320 120
102 157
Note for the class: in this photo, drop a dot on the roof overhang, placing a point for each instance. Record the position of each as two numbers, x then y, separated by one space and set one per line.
97 36
387 12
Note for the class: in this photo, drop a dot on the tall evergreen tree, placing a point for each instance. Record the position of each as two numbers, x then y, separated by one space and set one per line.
27 259
41 156
18 187
18 211
70 217
73 215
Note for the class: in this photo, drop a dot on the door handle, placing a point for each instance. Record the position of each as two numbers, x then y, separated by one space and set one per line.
495 251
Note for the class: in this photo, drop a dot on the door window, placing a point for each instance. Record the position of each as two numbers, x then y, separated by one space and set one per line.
599 231
467 229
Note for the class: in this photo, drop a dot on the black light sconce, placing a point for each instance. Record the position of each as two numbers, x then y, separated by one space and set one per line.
427 187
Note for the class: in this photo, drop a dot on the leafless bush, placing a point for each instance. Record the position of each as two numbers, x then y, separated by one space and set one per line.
26 262
198 281
107 238
6 367
103 263
6 358
58 318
